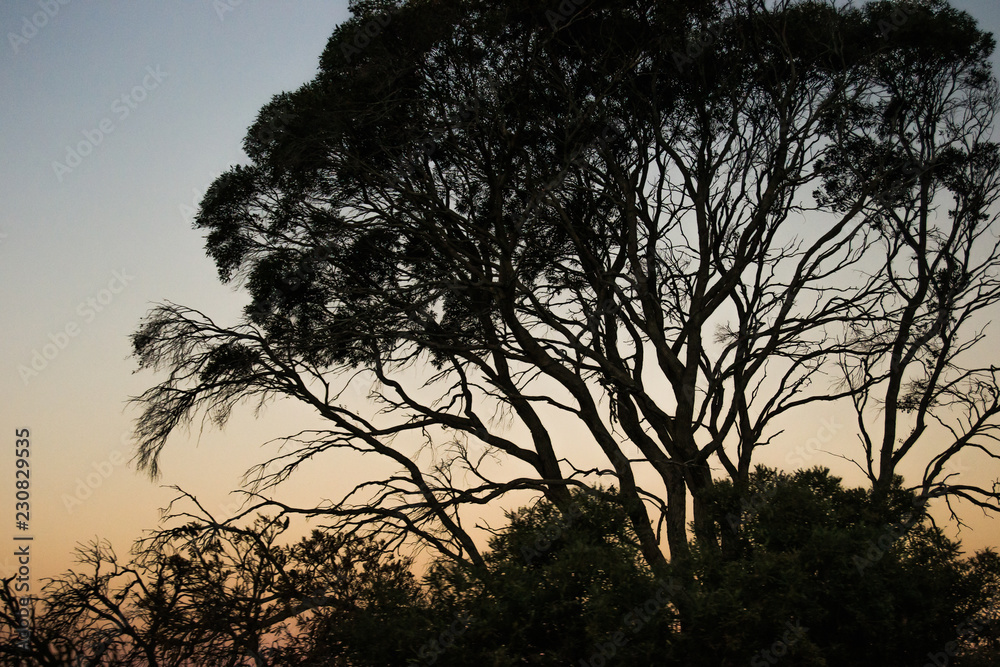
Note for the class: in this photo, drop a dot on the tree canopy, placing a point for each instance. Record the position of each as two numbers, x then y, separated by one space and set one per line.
673 227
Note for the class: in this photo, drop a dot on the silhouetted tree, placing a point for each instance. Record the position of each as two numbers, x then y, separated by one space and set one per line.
665 223
210 593
817 574
820 574
559 587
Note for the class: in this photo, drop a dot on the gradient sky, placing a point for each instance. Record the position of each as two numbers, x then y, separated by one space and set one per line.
162 92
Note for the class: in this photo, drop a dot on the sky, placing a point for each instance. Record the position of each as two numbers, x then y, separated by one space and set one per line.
114 118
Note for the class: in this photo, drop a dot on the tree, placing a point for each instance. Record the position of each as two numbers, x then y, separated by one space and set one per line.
810 580
821 574
210 593
93 615
558 588
665 223
933 121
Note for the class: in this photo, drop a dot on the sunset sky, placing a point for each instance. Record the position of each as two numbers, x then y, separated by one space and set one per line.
115 118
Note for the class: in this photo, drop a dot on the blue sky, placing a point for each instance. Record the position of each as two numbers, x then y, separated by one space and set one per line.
158 97
114 118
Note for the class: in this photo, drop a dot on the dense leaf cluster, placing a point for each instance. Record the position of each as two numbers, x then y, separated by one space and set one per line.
818 575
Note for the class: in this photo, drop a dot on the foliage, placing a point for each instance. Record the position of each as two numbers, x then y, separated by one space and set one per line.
557 586
865 581
818 575
558 244
815 574
210 593
675 225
